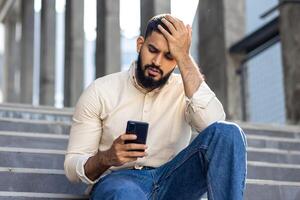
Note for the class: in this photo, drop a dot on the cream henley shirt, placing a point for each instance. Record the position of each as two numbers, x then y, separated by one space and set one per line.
102 112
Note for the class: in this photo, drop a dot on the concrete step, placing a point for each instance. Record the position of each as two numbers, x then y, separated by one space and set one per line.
263 189
38 180
272 190
272 133
273 155
267 190
33 140
39 126
13 177
33 158
48 158
59 142
273 171
23 153
4 195
280 151
273 142
274 130
35 112
34 107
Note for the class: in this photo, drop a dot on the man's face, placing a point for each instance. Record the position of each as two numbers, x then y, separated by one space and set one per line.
155 63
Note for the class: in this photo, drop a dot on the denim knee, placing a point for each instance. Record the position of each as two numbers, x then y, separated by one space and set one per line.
230 132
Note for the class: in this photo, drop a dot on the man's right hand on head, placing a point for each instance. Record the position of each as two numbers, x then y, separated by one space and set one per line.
119 153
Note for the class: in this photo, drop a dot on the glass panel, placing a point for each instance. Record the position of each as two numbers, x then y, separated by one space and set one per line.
254 9
265 87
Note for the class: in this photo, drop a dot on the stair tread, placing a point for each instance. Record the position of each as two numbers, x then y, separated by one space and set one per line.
271 138
32 134
41 195
31 160
32 121
33 142
53 181
15 106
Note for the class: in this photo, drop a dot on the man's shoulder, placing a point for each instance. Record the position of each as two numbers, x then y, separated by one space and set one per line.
112 79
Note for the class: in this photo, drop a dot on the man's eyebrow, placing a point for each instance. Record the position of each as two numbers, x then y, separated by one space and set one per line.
156 49
152 46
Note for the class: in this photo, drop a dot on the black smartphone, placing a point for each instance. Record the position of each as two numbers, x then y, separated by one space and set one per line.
140 129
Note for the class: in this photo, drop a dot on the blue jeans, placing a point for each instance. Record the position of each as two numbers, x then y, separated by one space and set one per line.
215 162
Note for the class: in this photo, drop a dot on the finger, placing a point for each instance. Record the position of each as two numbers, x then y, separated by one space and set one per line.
164 32
135 154
130 159
134 146
127 137
169 25
177 23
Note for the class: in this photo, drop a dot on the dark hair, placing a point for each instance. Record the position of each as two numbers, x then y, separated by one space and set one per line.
153 23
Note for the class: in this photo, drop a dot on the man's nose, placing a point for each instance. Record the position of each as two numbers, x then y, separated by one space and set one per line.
157 59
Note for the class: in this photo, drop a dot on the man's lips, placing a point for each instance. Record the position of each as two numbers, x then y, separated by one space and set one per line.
153 71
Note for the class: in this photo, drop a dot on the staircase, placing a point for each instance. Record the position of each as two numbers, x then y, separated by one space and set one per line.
32 147
273 162
33 141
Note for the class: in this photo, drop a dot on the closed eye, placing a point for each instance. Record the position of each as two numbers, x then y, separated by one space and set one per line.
169 56
152 49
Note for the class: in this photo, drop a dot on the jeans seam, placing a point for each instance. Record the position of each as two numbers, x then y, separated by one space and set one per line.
210 189
208 180
177 166
153 193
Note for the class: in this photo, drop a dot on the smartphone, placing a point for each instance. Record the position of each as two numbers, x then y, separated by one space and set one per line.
140 129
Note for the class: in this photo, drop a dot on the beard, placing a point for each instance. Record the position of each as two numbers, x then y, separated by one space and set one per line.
149 82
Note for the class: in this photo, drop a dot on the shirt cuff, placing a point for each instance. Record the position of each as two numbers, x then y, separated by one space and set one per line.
201 97
80 170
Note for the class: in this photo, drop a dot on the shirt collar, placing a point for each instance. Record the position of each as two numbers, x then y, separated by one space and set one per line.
134 81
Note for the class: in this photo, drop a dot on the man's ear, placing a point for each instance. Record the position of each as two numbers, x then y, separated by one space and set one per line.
139 43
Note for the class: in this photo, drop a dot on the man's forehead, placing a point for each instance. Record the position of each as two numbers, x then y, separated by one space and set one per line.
158 41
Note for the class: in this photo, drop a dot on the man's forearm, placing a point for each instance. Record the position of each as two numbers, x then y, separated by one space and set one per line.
191 76
95 166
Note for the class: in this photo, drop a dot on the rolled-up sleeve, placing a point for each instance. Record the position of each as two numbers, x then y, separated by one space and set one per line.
203 108
85 135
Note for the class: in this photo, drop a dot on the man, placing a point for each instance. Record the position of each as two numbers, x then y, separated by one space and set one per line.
170 167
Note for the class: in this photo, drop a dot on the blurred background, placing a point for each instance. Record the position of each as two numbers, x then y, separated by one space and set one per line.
50 50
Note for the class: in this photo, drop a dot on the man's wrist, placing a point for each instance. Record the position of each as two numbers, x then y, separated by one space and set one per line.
183 59
103 159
